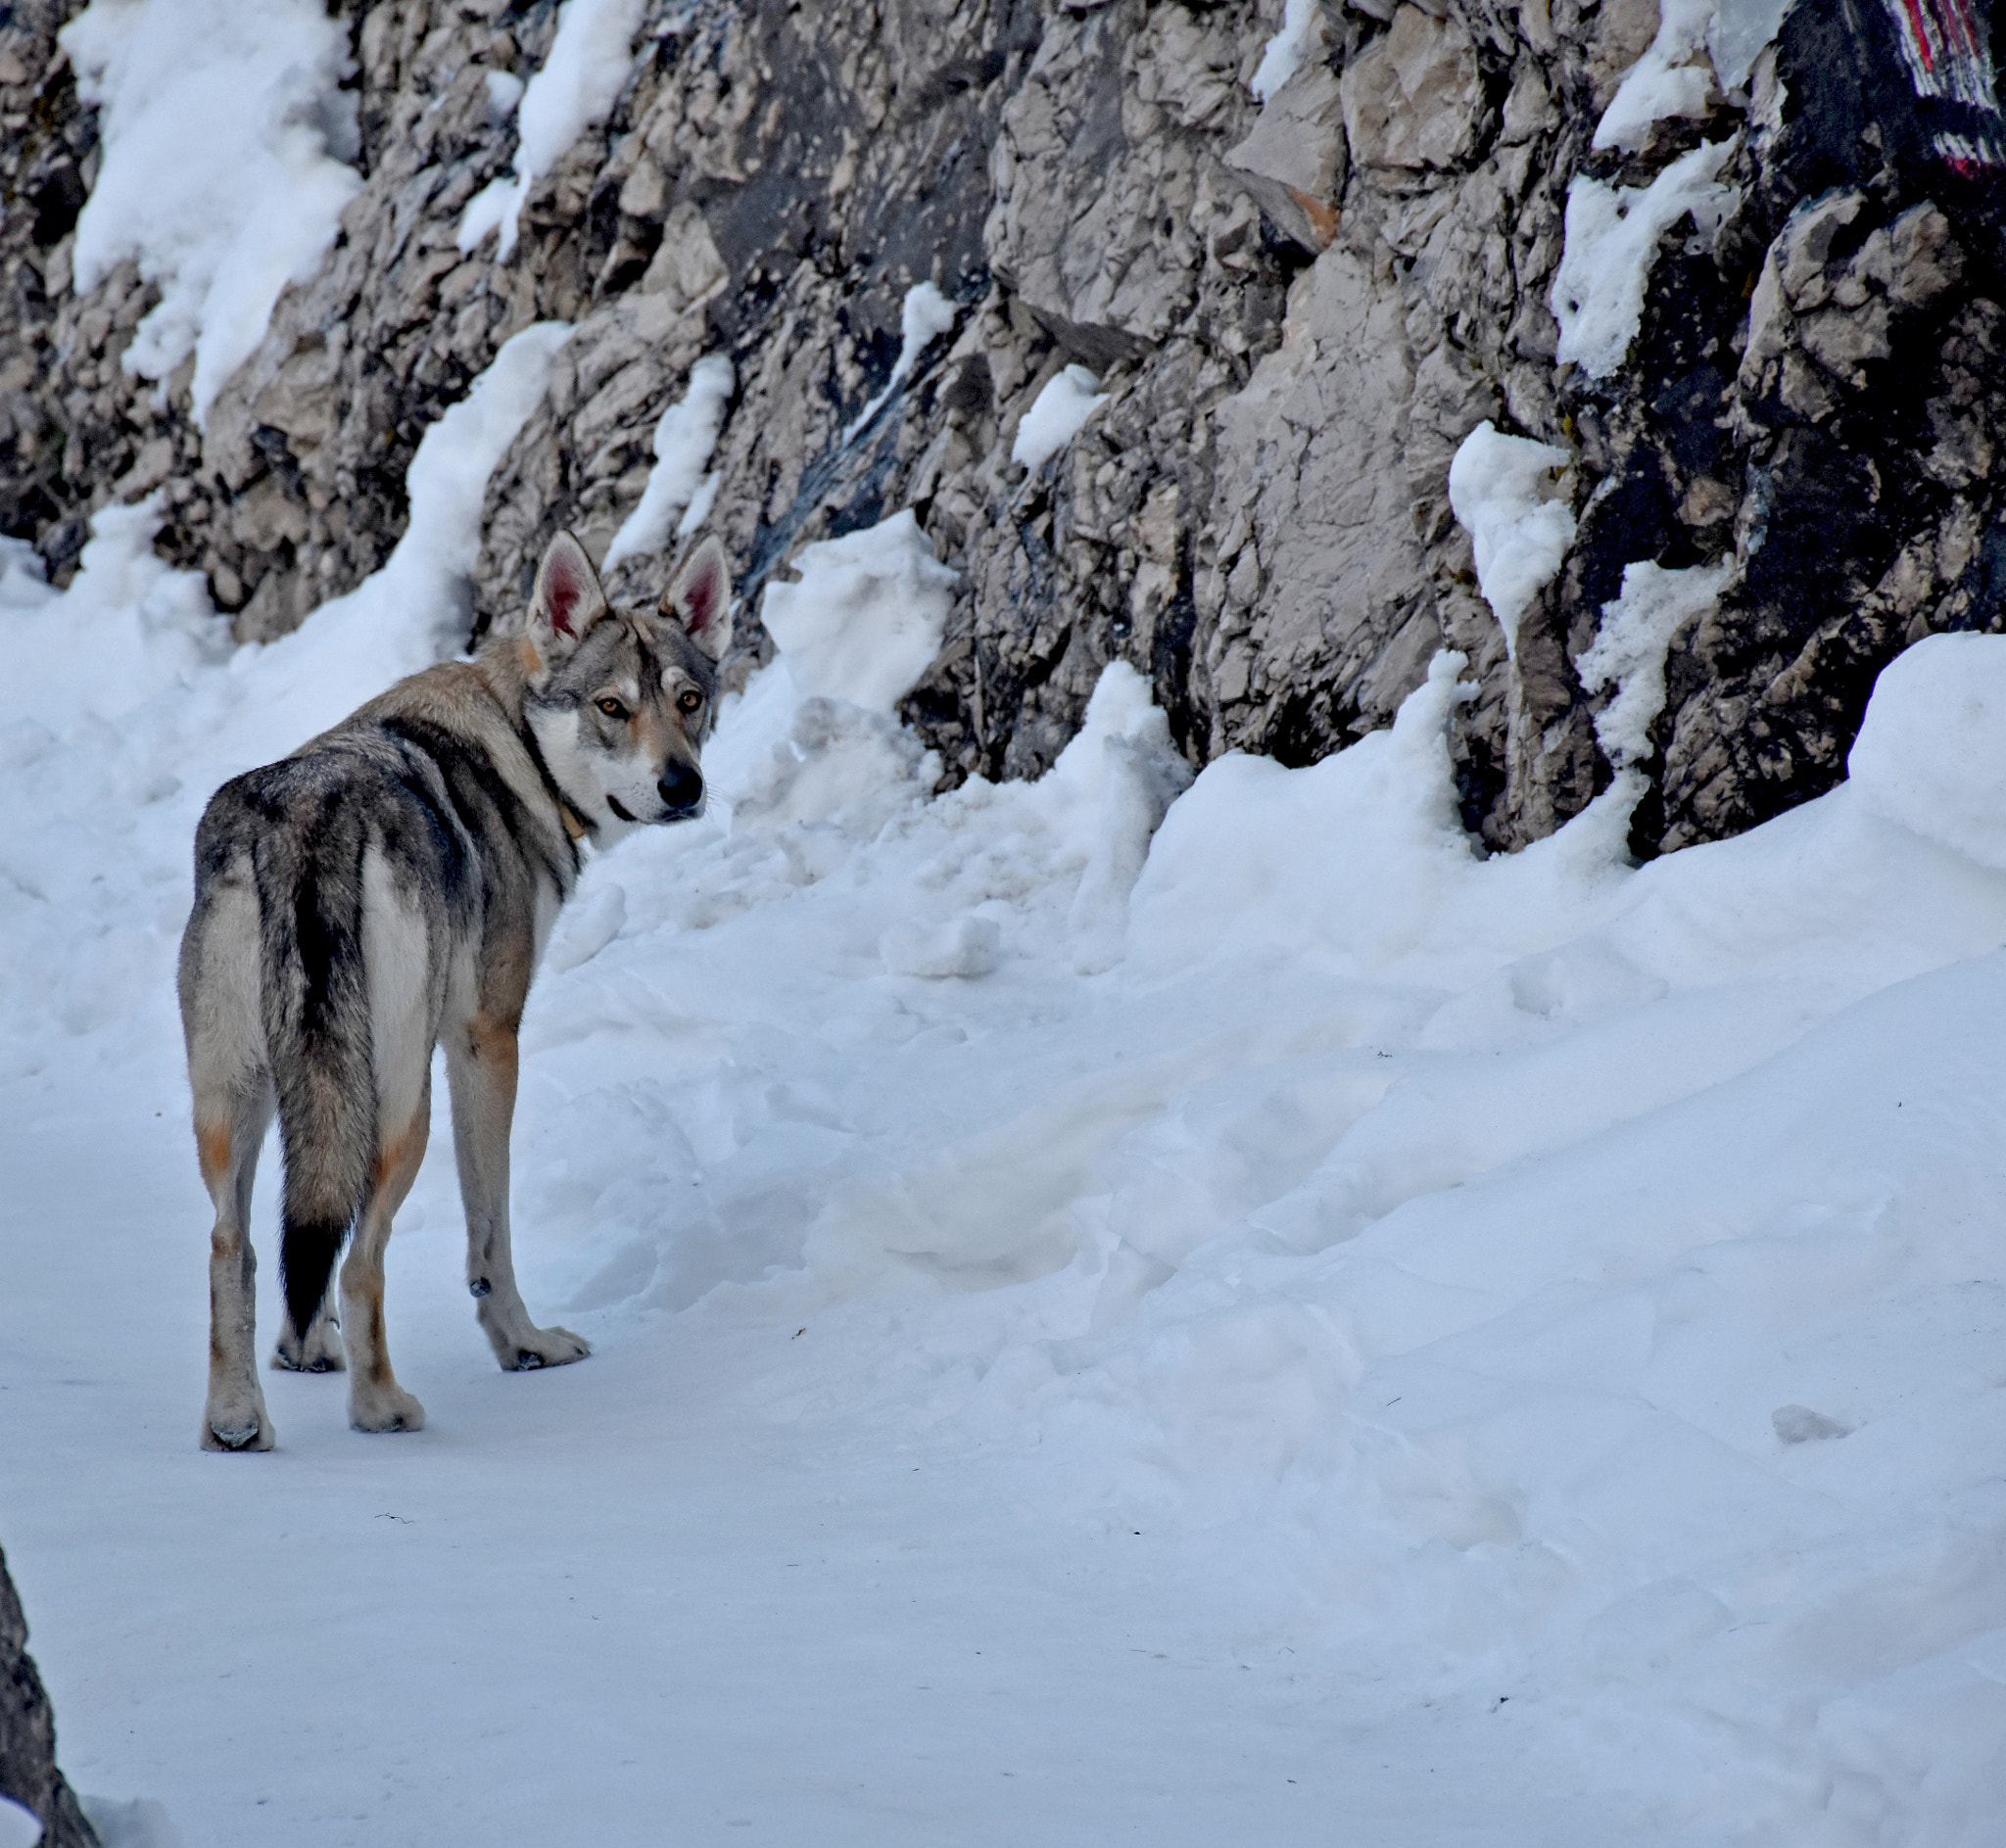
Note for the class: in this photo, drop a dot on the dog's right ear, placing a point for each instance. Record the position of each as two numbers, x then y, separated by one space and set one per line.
567 603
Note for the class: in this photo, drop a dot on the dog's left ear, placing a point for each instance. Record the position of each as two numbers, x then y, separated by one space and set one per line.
700 598
567 603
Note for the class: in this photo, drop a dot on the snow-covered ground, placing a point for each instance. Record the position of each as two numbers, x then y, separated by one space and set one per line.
1274 1329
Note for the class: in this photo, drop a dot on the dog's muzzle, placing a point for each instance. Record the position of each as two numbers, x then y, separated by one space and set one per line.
681 790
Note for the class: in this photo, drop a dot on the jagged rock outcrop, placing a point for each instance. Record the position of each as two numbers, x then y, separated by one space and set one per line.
1298 309
27 1734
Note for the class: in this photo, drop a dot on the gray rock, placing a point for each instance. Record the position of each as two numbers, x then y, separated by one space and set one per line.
1294 162
27 1734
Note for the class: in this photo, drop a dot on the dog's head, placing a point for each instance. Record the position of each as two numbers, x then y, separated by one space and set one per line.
620 700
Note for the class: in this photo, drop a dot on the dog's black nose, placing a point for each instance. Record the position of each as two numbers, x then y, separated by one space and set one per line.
681 790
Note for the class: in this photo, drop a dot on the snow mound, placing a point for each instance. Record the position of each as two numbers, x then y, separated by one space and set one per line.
865 620
1931 750
225 134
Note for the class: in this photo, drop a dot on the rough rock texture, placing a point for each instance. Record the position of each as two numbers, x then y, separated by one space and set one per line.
1299 309
27 1734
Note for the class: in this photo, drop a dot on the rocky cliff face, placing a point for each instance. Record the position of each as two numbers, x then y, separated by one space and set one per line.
27 1735
1298 309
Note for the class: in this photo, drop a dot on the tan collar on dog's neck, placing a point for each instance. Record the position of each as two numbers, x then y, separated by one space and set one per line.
573 826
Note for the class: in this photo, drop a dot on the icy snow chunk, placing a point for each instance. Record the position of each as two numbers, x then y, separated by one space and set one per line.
1504 491
1057 416
865 620
578 85
926 315
1671 78
1800 1423
1629 650
1284 54
221 124
966 947
683 441
1611 239
1931 750
1740 32
19 1827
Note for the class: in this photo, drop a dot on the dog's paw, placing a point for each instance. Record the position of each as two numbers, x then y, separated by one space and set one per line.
237 1428
320 1353
386 1409
546 1348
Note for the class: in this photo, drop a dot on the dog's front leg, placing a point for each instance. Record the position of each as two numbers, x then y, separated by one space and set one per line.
481 1065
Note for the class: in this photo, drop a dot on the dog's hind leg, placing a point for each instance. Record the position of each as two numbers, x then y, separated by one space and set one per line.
230 1130
321 1349
234 1102
376 1403
481 1062
406 992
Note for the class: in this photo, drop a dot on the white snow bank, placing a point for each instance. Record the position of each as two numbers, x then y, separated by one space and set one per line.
1932 751
1283 55
1506 492
1671 80
225 134
1611 240
577 87
1057 416
684 439
1627 652
924 316
865 620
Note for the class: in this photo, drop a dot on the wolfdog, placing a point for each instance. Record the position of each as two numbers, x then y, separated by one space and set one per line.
388 887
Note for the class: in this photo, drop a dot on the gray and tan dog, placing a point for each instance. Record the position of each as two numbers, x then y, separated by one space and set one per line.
388 888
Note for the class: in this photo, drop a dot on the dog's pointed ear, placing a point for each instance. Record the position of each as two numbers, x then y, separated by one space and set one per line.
567 599
700 598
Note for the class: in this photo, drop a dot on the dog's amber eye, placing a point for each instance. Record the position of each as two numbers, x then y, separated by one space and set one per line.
611 707
689 700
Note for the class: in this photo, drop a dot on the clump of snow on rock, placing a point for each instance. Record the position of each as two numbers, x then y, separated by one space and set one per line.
684 439
224 137
1057 414
1508 495
578 83
1673 77
1629 649
1282 56
924 316
1611 237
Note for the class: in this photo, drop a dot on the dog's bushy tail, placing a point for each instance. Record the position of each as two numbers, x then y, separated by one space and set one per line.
315 1001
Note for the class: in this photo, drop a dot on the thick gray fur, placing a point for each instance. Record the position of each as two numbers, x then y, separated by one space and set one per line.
386 889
